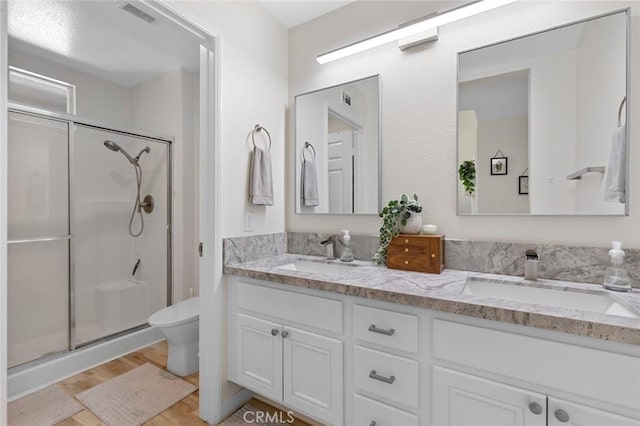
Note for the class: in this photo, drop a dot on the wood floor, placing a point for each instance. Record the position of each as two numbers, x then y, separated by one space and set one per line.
183 413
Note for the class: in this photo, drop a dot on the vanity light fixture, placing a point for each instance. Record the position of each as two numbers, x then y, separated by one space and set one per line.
414 33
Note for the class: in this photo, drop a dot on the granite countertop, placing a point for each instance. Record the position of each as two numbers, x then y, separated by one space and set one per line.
444 292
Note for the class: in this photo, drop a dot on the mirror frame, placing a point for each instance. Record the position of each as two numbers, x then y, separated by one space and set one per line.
627 12
295 146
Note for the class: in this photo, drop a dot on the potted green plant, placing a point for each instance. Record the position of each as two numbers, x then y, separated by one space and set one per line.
467 175
394 218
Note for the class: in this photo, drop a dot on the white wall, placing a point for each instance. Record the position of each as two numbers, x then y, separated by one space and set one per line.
253 73
419 114
165 105
96 99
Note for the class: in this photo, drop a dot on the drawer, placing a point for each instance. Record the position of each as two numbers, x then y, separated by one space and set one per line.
576 369
366 411
388 376
415 262
391 329
318 312
408 250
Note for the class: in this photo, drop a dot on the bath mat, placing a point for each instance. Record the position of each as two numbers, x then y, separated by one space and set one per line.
246 415
43 408
136 396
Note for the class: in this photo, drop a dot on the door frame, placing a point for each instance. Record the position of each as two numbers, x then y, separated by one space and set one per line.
210 268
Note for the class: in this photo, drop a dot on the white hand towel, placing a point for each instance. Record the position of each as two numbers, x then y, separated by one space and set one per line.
261 179
614 182
309 184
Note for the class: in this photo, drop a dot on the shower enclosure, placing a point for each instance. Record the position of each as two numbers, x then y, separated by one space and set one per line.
81 219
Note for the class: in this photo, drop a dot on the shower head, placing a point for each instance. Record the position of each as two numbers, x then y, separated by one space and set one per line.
112 145
115 147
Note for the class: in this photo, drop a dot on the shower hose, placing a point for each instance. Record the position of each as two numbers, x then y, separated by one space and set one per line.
137 208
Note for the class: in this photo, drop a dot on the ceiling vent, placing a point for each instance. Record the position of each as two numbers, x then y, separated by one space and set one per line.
138 13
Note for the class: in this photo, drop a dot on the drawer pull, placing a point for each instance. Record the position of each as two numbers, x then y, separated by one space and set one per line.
406 249
375 329
285 334
274 331
561 415
373 423
433 255
535 408
406 241
406 262
389 380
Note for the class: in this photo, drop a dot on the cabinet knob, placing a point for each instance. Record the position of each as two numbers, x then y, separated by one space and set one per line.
406 241
406 262
433 255
274 332
406 250
561 415
285 334
535 408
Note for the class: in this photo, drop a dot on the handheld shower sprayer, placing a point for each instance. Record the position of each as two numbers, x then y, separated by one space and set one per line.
148 200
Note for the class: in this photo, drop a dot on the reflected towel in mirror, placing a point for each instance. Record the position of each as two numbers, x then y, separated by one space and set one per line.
614 182
309 184
261 179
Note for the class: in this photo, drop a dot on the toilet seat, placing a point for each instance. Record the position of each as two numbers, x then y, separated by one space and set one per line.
180 313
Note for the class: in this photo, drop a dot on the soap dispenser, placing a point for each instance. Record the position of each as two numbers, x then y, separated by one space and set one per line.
347 254
616 277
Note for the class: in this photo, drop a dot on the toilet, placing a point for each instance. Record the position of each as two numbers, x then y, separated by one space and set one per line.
179 323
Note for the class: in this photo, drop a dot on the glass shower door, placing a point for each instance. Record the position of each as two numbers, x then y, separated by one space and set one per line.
109 297
39 238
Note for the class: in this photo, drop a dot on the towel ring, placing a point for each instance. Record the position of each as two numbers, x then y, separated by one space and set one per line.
624 100
257 129
313 150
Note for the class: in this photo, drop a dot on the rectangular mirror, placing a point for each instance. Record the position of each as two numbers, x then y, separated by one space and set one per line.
542 122
338 149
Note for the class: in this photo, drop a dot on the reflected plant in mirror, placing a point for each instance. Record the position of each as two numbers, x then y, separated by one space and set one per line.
338 149
554 102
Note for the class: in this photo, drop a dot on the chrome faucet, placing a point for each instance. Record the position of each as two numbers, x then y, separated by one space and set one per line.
531 265
331 247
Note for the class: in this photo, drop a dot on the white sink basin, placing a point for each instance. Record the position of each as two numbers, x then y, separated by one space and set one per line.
598 303
317 267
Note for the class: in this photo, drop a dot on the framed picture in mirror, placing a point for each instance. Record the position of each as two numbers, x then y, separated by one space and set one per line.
523 185
499 166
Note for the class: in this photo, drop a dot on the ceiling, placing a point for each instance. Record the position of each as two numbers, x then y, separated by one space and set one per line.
291 13
101 39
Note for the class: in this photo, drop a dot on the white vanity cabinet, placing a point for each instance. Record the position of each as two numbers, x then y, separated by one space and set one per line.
612 379
347 360
283 362
461 399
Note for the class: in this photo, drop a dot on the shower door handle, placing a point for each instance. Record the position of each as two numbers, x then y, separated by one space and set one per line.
41 239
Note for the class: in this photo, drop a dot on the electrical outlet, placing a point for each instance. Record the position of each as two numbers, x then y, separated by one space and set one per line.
249 222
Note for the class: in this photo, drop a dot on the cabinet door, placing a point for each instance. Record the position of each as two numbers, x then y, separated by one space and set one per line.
564 413
463 400
259 356
313 375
